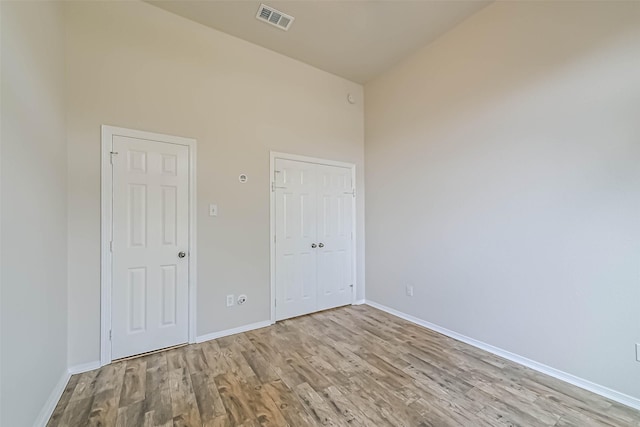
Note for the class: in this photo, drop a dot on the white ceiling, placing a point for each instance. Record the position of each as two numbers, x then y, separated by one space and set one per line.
357 40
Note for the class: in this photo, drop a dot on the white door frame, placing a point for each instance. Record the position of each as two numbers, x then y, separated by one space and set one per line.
106 222
285 156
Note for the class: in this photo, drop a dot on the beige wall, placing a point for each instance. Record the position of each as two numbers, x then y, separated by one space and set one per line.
132 65
33 217
502 183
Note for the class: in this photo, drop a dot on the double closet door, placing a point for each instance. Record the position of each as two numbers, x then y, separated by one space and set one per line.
313 237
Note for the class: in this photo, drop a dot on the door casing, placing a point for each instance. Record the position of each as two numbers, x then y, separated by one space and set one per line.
272 233
106 223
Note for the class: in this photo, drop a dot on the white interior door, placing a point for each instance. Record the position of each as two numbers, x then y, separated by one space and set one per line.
295 190
335 193
150 304
313 232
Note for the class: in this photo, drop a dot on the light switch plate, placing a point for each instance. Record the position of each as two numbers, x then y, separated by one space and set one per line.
213 210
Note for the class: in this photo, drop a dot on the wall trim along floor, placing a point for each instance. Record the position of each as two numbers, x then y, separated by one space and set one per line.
233 331
85 367
52 401
56 393
563 376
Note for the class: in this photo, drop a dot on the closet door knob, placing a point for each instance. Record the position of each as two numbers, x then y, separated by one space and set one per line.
313 245
321 245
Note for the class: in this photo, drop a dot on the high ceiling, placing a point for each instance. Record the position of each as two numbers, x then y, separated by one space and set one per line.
357 40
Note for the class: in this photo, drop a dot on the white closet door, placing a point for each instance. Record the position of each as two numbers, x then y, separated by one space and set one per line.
295 199
150 230
334 223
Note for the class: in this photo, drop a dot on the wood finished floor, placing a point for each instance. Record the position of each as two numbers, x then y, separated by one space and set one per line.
353 366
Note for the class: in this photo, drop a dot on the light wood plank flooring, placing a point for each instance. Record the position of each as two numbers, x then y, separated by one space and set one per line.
353 366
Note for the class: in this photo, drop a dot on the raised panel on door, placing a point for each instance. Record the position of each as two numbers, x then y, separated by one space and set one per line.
150 228
334 266
295 227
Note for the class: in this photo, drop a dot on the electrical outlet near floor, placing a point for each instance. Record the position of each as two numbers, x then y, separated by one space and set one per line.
638 352
230 300
409 290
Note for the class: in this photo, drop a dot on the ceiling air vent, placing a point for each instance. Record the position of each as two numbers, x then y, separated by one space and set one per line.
274 17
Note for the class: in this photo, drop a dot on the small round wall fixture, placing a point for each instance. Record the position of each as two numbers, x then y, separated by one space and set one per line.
351 99
243 178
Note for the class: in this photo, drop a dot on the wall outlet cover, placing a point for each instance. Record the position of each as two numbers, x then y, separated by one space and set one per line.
230 300
409 290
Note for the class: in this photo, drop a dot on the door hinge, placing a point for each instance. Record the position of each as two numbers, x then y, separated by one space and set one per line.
274 186
351 285
274 238
111 154
273 183
110 334
111 246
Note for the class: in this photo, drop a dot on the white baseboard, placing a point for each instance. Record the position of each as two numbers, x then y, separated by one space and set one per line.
84 367
52 401
359 302
563 376
238 330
